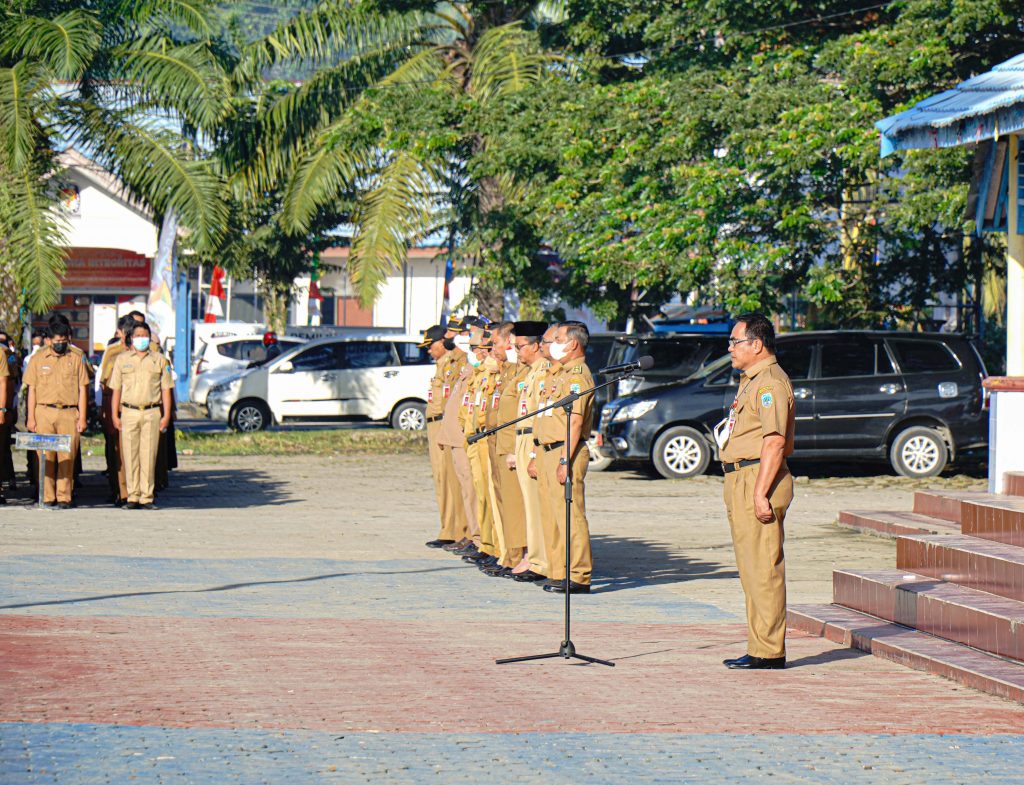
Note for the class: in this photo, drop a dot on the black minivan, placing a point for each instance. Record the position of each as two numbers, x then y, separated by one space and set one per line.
914 399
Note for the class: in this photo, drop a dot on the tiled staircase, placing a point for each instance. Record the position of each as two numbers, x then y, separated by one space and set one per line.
954 605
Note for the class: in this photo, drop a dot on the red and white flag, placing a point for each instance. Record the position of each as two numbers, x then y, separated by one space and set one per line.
214 304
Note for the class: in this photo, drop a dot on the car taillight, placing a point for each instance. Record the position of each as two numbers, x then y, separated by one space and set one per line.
200 367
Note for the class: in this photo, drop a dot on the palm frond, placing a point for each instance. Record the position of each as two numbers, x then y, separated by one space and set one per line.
21 88
426 67
158 15
322 175
64 45
505 60
550 12
186 79
34 241
396 212
158 168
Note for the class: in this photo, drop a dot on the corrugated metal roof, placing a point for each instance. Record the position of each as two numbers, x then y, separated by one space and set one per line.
983 107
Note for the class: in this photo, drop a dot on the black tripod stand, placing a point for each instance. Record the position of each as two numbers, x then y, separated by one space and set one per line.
567 650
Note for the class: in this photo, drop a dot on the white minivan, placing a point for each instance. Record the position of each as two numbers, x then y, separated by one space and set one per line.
382 377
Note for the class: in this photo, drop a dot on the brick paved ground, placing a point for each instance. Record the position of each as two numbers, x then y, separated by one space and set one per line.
280 621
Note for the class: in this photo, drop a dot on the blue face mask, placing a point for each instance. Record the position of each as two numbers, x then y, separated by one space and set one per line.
142 344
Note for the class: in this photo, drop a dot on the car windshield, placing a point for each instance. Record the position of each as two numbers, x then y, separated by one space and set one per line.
710 369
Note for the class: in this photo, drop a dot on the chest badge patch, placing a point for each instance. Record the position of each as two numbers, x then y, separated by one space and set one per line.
766 400
575 389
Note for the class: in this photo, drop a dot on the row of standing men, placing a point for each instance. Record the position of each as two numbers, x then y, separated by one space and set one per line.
135 410
501 499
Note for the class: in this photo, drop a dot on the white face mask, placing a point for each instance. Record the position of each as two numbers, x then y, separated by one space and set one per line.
462 342
512 355
473 359
559 350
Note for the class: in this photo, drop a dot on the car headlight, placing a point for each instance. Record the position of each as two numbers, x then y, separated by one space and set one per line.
633 411
230 386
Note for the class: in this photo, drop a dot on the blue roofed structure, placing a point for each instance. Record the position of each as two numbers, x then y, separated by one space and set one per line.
984 107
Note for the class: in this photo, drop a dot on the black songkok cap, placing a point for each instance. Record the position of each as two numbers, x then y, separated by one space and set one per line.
530 329
431 334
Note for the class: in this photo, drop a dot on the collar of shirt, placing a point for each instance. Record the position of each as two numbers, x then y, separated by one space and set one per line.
756 368
539 363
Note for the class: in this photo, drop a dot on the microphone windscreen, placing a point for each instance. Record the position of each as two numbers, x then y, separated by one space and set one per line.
646 362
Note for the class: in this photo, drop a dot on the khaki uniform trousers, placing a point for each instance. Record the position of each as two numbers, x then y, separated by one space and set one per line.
467 492
481 468
115 466
140 439
760 559
60 466
552 494
508 500
6 458
446 487
535 547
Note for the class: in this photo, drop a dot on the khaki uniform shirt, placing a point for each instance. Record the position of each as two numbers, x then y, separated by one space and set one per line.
451 434
763 406
107 363
437 393
472 397
4 370
570 378
513 386
90 371
57 378
141 380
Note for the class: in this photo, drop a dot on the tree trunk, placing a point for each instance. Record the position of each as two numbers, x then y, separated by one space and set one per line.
10 301
276 297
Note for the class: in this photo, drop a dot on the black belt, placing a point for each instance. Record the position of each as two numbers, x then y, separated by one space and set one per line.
58 406
732 467
552 446
435 419
523 431
140 408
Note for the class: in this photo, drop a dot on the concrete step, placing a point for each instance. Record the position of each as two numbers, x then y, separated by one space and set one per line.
893 524
911 648
946 505
996 517
974 563
974 618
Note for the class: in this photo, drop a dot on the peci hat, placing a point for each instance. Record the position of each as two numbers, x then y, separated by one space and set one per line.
530 329
430 335
455 323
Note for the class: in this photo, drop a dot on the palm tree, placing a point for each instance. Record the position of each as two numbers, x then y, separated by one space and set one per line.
331 139
137 85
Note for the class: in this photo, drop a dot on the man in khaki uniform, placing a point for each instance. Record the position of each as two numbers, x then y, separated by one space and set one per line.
7 417
477 393
451 439
141 408
115 466
528 337
57 397
446 486
754 442
553 461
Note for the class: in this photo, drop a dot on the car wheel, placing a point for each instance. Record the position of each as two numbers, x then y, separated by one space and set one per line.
598 460
409 416
919 452
249 416
681 452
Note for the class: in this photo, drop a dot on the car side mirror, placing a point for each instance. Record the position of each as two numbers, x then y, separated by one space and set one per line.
285 367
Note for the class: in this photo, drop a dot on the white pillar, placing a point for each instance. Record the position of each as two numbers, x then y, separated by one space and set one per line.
1014 270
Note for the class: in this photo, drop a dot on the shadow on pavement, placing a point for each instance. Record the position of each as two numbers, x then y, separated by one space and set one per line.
630 563
835 655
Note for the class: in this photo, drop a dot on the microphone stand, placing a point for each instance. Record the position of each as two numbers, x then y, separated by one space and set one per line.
567 650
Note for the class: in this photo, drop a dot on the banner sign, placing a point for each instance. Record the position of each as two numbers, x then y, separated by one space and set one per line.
48 442
94 269
163 284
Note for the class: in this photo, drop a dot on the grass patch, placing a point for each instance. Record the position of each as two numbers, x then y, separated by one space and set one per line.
372 441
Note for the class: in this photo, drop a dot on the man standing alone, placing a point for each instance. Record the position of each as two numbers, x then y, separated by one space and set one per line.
141 408
755 440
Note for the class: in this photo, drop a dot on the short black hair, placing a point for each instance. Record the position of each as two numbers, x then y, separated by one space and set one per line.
758 326
125 323
141 326
41 333
138 316
59 318
60 330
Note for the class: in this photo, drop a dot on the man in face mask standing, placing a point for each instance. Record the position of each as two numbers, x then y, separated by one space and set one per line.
556 458
6 416
452 440
141 408
57 397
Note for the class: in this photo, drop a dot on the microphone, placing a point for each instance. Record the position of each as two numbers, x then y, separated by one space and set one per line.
643 364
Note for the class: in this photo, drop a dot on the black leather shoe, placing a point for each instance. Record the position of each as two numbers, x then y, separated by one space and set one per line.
529 577
133 506
466 550
458 545
439 543
748 663
64 505
558 587
475 557
497 571
488 563
149 506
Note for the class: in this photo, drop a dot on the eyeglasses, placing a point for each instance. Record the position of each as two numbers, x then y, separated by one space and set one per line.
545 342
734 341
521 346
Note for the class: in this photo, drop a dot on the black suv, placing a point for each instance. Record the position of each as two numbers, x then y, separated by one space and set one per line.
914 399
